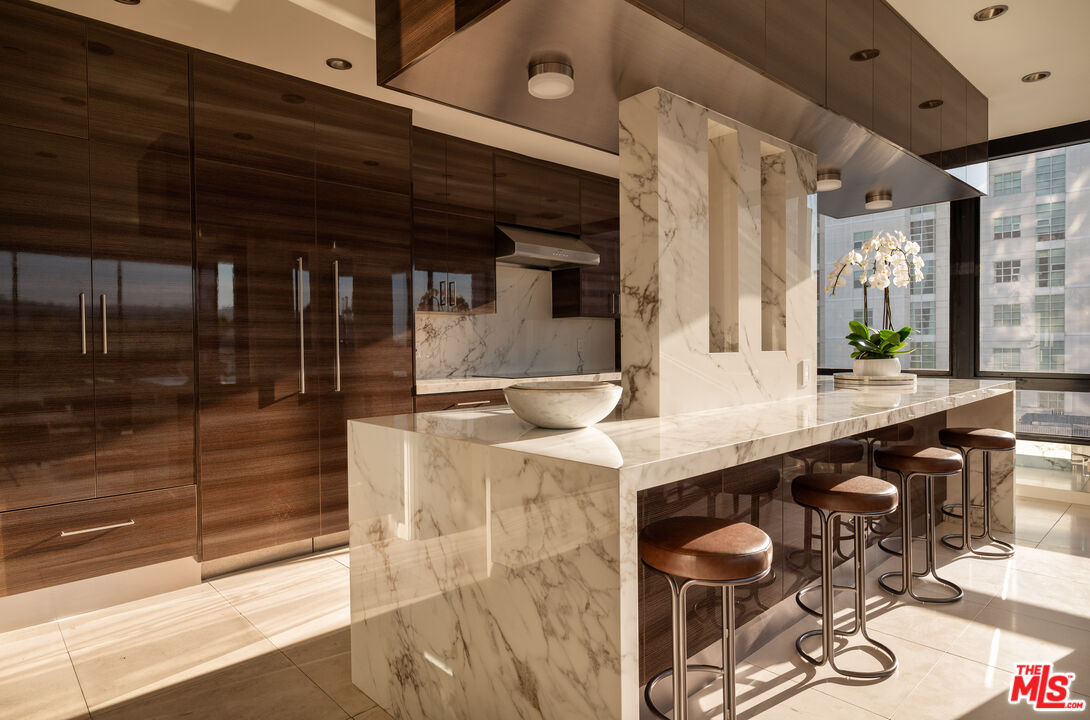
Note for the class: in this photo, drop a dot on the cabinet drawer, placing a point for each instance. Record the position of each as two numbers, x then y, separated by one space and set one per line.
61 543
459 400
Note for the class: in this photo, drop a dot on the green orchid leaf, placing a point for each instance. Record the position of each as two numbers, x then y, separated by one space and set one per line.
858 328
905 332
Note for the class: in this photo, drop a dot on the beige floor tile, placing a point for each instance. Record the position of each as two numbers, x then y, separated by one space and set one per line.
1034 518
1071 533
960 689
936 626
37 681
1066 603
303 607
186 653
1004 639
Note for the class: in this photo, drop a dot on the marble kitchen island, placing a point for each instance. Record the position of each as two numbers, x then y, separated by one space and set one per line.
494 565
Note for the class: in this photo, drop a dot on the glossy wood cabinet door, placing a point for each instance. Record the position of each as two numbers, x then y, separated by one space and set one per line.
469 178
429 250
361 142
594 291
364 336
953 116
850 86
471 263
536 195
429 170
43 71
143 293
926 87
976 125
46 346
259 372
795 45
892 76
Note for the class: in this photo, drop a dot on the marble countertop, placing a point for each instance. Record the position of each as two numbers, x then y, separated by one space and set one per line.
432 386
652 451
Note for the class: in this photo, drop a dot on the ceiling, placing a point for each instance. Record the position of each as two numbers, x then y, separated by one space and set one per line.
1033 35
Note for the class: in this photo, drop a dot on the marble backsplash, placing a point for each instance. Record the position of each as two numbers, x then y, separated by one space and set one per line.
521 337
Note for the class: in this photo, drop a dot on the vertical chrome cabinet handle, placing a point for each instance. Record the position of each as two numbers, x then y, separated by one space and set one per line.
83 323
452 294
102 302
337 326
302 330
442 293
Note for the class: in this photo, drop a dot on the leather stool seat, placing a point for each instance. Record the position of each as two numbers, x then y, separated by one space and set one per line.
918 459
703 548
977 438
835 452
844 492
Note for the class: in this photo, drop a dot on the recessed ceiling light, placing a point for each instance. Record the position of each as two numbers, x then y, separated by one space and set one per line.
338 63
990 13
864 55
930 104
1036 76
551 80
828 180
879 200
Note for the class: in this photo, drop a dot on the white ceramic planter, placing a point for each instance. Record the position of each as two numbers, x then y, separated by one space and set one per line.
888 367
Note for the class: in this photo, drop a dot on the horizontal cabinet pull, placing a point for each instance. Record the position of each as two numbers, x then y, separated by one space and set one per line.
70 533
471 403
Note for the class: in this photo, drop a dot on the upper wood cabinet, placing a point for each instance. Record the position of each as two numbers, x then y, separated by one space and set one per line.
976 125
138 92
795 45
451 175
593 291
953 116
429 170
362 142
850 89
454 263
43 71
927 67
536 194
892 107
737 26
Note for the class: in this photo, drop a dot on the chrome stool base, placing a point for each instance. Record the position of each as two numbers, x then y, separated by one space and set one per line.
668 672
966 535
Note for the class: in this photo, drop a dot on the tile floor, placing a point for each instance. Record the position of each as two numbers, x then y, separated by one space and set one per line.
272 643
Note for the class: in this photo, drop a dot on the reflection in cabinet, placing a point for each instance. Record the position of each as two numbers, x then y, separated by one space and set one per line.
737 26
258 365
795 45
46 390
892 76
926 91
850 87
361 142
454 263
593 291
536 195
43 71
364 324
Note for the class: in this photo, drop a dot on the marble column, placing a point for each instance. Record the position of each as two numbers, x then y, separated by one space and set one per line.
717 291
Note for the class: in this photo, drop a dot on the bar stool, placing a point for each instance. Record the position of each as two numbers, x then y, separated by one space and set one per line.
831 496
755 481
874 439
986 440
837 454
690 551
910 461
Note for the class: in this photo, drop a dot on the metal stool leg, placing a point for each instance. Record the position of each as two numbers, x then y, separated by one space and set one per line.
729 702
907 573
967 535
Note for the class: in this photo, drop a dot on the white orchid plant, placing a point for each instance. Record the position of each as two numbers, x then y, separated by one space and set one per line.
884 260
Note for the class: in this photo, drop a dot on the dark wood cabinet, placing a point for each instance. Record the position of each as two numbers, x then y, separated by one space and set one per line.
47 388
536 194
259 371
737 26
361 142
364 338
454 263
459 400
451 175
594 291
43 71
671 11
253 117
795 45
892 106
976 125
429 170
850 86
926 92
953 117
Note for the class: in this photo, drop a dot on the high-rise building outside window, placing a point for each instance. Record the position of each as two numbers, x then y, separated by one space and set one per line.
1007 183
1051 171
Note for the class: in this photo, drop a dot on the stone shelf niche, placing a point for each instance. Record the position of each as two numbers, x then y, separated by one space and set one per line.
718 295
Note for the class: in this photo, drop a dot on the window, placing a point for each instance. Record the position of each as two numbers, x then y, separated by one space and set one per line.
1007 183
1050 174
858 238
1007 271
923 232
1050 268
1006 315
1050 356
1050 313
923 317
1006 359
1051 220
869 321
1053 401
922 355
1007 227
925 286
921 209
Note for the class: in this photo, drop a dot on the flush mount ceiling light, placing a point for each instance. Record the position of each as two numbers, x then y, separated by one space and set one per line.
828 180
1036 76
551 80
879 200
990 13
930 104
864 55
338 63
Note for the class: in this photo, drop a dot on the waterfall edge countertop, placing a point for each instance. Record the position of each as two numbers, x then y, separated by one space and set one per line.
495 568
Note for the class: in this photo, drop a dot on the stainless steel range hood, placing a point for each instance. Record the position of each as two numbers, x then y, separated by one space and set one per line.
541 250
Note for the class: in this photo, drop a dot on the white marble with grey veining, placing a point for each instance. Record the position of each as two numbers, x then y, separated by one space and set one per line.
495 567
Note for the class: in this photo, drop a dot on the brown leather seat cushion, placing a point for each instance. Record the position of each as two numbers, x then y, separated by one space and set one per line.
835 452
758 479
891 433
704 548
918 459
845 492
983 438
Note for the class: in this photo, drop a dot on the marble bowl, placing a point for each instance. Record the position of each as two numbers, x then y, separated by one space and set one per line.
563 404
